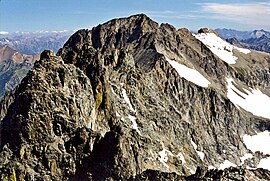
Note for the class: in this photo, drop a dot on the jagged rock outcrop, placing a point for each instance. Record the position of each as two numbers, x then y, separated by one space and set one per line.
111 105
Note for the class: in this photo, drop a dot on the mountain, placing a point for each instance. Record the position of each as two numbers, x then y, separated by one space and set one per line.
261 44
236 42
241 35
33 43
230 33
13 67
257 40
135 100
258 34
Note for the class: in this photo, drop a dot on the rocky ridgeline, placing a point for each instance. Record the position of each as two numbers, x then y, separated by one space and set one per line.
110 106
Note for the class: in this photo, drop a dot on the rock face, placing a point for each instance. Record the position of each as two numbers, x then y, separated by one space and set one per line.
111 105
13 67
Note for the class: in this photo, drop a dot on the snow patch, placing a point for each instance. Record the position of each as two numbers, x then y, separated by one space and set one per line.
242 50
220 47
189 74
182 158
163 157
117 114
61 31
113 91
211 167
4 32
200 153
134 123
254 101
264 163
124 93
226 164
258 142
245 157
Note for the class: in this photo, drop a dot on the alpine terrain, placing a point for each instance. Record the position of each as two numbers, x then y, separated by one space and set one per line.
13 67
257 40
134 100
33 43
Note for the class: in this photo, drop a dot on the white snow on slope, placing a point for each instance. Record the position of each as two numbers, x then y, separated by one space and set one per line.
211 167
220 47
264 163
259 142
163 157
200 153
189 74
226 164
254 101
134 123
124 92
182 158
245 157
242 50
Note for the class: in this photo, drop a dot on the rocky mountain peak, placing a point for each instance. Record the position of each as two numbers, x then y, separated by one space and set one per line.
115 33
207 30
47 54
134 100
259 33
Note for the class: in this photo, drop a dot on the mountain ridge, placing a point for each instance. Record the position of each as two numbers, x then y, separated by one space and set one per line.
257 40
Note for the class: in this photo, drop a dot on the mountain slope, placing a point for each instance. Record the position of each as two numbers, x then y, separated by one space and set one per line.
120 102
230 33
13 67
261 44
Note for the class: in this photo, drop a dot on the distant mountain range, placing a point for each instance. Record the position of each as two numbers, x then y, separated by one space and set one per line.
32 43
256 40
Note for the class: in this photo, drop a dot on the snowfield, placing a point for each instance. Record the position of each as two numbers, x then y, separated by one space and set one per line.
259 142
200 153
253 101
264 163
220 47
189 74
226 164
124 93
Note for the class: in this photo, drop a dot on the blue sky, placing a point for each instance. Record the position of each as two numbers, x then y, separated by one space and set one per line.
36 15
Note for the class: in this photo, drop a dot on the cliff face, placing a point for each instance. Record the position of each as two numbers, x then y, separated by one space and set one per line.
134 100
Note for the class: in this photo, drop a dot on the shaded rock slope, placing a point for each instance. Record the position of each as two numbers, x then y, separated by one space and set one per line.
120 102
